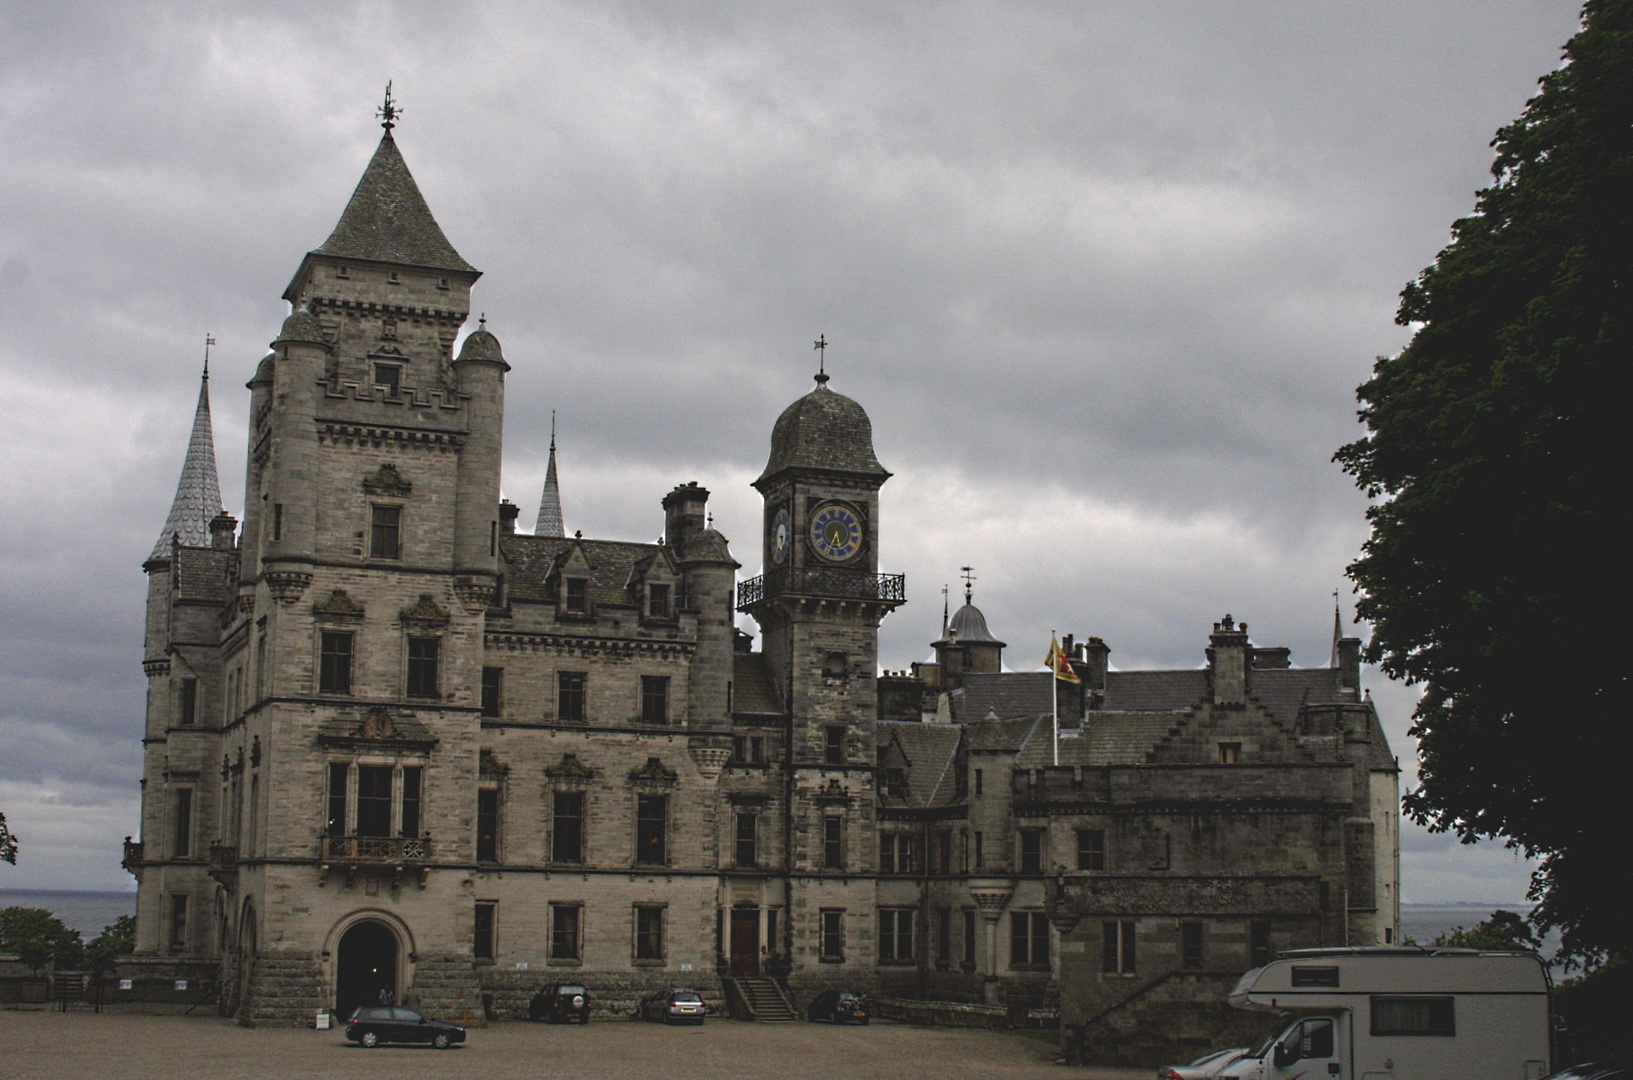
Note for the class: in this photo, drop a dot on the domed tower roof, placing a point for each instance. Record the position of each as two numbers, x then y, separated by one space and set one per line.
970 626
301 326
480 344
823 430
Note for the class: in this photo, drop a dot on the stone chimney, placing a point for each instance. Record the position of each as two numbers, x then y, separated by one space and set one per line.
223 531
507 517
683 515
1349 666
1096 656
1227 662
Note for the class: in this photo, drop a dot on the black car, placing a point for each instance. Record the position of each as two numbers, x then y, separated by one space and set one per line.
676 1005
560 1004
1597 1070
838 1007
372 1025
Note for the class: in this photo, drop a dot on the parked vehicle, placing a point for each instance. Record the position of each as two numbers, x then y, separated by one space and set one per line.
1597 1070
677 1005
837 1007
561 1003
1453 1014
1203 1068
372 1025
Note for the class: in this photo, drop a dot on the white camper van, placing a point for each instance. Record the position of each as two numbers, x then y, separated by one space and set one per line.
1399 1013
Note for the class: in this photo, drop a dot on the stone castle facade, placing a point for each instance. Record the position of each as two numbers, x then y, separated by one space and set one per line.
393 743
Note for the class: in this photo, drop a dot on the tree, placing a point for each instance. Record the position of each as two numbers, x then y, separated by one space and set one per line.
1505 931
1495 460
117 939
39 937
8 842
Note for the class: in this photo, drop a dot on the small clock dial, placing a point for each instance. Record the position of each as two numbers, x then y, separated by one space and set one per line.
836 534
782 531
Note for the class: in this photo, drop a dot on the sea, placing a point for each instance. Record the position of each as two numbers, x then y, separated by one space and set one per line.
89 912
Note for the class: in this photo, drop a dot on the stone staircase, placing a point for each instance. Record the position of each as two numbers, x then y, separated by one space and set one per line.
764 999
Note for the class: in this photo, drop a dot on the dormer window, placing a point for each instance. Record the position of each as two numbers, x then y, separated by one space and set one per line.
578 596
657 601
388 377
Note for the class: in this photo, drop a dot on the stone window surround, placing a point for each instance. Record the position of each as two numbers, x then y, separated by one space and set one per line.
396 762
824 955
662 910
371 503
577 945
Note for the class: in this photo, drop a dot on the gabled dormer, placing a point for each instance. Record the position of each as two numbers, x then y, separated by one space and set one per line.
572 580
654 582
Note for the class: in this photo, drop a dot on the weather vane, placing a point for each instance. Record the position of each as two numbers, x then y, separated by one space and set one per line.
969 582
208 341
821 346
389 111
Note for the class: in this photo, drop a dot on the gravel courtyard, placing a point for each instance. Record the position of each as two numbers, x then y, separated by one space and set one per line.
130 1047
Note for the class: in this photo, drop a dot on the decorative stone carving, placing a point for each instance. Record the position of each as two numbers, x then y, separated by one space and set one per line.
378 724
425 610
338 605
569 768
709 759
654 774
386 480
286 586
474 593
491 768
833 792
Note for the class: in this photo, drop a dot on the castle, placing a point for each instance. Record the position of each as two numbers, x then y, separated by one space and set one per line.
392 743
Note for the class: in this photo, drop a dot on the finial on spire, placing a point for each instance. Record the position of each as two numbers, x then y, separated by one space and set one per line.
969 582
821 346
208 341
552 430
389 111
944 611
1337 628
482 324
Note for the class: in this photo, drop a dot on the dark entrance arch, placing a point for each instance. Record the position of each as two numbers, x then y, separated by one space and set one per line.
367 965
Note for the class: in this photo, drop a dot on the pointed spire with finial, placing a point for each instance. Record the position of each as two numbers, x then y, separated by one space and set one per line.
1337 629
389 111
944 610
550 522
198 492
821 346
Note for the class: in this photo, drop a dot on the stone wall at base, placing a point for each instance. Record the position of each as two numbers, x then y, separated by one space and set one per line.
614 995
447 988
1181 1018
284 991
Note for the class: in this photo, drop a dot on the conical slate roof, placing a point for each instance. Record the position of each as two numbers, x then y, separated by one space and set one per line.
549 522
198 493
823 430
388 221
971 626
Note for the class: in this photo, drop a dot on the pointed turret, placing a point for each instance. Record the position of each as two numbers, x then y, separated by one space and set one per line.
550 522
198 492
1337 629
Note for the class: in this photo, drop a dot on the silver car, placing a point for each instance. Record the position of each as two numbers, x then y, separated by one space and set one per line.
1204 1067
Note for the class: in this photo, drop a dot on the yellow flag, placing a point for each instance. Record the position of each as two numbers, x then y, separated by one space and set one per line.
1057 662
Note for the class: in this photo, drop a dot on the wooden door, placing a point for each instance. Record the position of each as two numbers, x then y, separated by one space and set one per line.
745 941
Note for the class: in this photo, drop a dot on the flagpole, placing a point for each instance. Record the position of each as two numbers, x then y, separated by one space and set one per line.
1054 692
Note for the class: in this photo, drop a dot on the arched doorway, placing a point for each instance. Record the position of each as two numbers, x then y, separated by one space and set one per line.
367 964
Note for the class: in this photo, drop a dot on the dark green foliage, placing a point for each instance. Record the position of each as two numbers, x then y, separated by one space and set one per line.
1505 931
117 939
8 843
1495 573
1592 1011
39 937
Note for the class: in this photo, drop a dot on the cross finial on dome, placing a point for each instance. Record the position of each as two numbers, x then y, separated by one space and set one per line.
389 111
821 346
482 321
968 575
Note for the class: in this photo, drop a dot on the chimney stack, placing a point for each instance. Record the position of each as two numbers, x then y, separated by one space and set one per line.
683 515
1227 662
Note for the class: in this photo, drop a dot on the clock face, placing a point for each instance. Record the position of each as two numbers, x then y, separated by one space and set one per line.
836 534
782 531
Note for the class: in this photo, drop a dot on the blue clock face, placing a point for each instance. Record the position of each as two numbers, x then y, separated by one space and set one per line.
782 533
836 534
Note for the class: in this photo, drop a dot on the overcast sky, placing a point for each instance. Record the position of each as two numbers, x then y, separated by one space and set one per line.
1104 274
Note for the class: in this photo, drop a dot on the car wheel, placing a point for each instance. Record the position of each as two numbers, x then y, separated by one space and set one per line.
440 1040
370 1039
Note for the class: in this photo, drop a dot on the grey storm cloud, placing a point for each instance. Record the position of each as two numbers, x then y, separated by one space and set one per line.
1104 275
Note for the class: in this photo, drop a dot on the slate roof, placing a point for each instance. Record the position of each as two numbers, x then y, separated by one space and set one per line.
529 559
209 574
752 688
931 751
388 220
971 626
1154 691
1284 691
198 492
1009 694
823 430
549 522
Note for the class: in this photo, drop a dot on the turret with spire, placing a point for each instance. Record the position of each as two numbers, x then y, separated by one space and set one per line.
550 521
198 492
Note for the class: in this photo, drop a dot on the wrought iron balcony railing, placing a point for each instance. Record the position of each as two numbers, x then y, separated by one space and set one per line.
133 854
822 581
375 849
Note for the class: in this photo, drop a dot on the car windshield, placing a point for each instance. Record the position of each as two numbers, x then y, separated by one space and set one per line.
1205 1058
848 996
569 991
686 996
1262 1047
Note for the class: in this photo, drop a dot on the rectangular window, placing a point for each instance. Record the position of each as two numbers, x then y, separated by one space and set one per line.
1091 849
1415 1015
654 699
747 849
570 696
181 834
833 746
277 521
944 936
1230 753
648 932
189 702
1259 953
486 918
657 601
178 922
833 848
1117 955
748 749
564 928
567 828
887 854
385 532
422 666
1031 851
411 802
980 856
335 662
944 849
578 595
487 825
969 939
1190 946
895 935
1028 939
492 684
896 783
651 820
374 800
338 774
388 377
1316 976
978 784
833 936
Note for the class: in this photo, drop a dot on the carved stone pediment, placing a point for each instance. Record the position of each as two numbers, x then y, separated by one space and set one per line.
654 773
378 724
425 610
338 605
833 792
491 768
570 768
386 480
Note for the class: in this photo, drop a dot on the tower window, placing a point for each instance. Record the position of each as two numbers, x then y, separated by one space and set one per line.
487 825
388 377
1230 753
385 532
836 665
410 826
338 772
492 684
422 667
651 820
391 276
442 283
1091 849
486 919
1031 851
335 662
747 848
833 747
181 842
570 696
189 702
1028 939
343 271
178 922
654 699
1117 947
833 846
1190 935
374 800
1259 952
567 828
